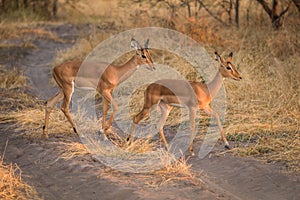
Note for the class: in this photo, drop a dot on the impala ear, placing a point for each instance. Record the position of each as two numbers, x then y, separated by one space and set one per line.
134 44
147 44
229 57
218 57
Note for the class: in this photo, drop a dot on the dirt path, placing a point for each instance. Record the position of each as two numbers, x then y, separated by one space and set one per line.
247 178
82 177
225 177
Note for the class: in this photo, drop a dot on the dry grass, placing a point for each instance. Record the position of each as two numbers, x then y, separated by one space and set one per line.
11 79
12 186
22 35
71 149
13 95
31 127
263 109
179 170
176 173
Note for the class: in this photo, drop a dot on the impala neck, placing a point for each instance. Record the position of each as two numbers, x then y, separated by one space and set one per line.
127 69
215 85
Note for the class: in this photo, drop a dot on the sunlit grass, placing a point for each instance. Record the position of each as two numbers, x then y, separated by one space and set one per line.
11 184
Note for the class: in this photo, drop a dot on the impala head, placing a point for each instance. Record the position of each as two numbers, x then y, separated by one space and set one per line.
143 54
227 69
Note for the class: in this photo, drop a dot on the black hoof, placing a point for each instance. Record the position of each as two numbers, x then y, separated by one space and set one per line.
227 147
75 131
44 127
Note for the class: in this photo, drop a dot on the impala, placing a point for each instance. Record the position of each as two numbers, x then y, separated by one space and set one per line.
193 95
65 76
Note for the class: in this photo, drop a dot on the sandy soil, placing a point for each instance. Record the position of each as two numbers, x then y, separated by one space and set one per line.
224 176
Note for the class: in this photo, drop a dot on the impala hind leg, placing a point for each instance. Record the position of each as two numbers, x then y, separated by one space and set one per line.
211 112
192 114
165 110
140 116
48 108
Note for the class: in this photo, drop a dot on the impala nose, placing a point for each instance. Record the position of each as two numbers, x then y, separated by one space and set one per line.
151 67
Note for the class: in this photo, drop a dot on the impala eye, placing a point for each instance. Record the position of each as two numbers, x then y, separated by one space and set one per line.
228 68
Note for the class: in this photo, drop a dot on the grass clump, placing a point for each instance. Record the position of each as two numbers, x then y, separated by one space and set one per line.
11 79
11 183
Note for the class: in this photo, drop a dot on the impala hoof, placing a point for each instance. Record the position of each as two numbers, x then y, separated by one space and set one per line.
103 137
75 131
101 131
129 139
227 146
192 153
45 132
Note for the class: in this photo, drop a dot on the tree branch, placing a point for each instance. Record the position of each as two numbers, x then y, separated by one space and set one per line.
211 14
266 7
285 10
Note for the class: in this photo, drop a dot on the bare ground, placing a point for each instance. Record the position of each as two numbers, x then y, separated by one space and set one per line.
225 176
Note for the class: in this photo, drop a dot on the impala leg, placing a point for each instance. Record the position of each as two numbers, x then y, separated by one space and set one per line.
210 111
165 109
115 109
65 106
132 130
108 99
192 114
140 116
105 109
48 108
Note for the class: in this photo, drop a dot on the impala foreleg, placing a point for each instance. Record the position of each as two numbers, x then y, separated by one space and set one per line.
48 108
107 100
115 109
210 111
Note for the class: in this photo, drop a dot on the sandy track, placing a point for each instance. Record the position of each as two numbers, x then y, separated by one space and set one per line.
247 178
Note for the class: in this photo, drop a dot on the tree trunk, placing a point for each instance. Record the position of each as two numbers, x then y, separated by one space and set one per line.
229 11
188 7
275 16
237 6
54 8
276 20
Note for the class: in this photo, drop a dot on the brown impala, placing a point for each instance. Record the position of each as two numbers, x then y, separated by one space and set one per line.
168 93
65 76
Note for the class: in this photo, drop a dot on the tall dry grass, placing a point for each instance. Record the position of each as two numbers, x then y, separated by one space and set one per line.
263 110
12 185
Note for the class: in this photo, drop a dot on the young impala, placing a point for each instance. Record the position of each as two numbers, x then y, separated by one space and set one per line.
168 93
66 73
